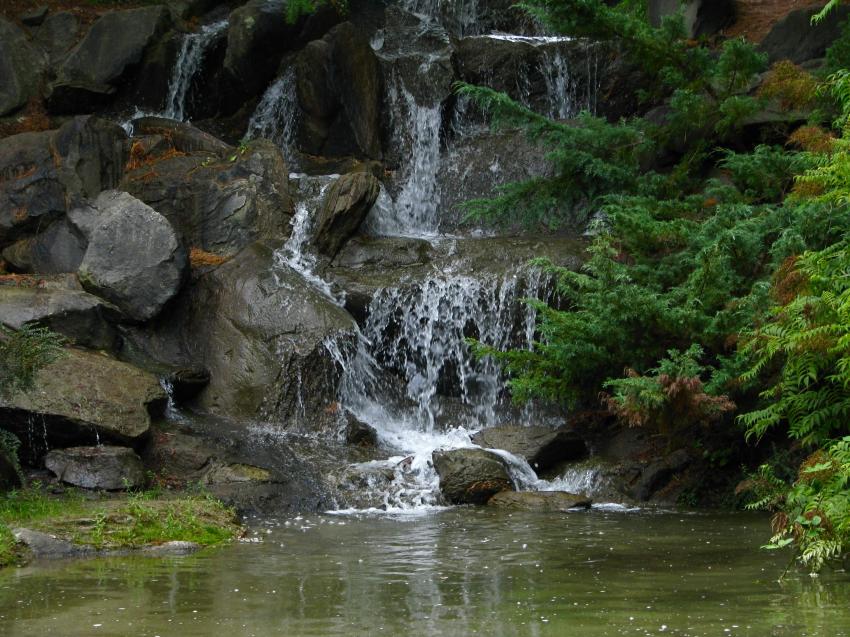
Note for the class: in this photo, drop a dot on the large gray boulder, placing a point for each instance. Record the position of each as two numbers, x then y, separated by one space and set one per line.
77 315
181 136
260 330
795 38
471 476
113 45
134 258
542 447
541 501
344 208
57 34
100 467
21 68
43 174
217 204
84 398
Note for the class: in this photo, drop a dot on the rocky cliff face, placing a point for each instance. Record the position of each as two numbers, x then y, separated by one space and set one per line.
296 256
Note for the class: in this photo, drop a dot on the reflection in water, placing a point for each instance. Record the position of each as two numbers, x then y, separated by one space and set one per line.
457 572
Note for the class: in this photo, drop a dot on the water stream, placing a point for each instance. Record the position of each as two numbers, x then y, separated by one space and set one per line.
276 116
189 63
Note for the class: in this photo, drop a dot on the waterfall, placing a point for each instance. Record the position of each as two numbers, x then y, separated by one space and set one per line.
296 252
565 97
276 116
412 352
462 15
189 62
415 207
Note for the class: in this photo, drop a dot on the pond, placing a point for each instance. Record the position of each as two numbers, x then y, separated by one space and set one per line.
457 571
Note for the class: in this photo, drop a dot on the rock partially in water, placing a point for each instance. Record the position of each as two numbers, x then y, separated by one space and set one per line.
260 330
542 447
544 501
83 318
89 76
102 467
358 433
45 546
134 258
471 476
83 398
21 68
658 474
344 208
236 472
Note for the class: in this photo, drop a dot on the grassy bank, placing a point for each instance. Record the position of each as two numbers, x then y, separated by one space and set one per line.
114 522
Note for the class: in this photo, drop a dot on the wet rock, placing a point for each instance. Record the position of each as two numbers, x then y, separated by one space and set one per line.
543 501
340 91
187 383
21 68
236 473
471 476
79 316
134 258
34 17
115 43
101 467
344 208
58 34
701 17
42 174
177 457
358 433
181 136
542 447
658 474
795 38
217 204
260 331
56 250
175 547
82 398
257 39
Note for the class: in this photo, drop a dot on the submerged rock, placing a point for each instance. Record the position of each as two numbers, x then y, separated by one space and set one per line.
471 476
543 501
542 447
101 467
84 398
133 258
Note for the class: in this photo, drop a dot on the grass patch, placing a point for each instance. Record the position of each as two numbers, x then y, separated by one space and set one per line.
116 522
11 552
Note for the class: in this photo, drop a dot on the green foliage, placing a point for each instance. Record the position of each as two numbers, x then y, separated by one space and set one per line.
298 8
136 520
827 9
24 352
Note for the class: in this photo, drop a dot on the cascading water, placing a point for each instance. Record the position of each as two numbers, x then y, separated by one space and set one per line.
189 62
566 97
276 116
296 253
413 352
415 206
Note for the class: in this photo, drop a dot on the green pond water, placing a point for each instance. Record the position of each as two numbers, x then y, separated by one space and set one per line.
452 572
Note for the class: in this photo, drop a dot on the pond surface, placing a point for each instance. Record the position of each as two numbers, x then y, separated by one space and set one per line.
451 572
